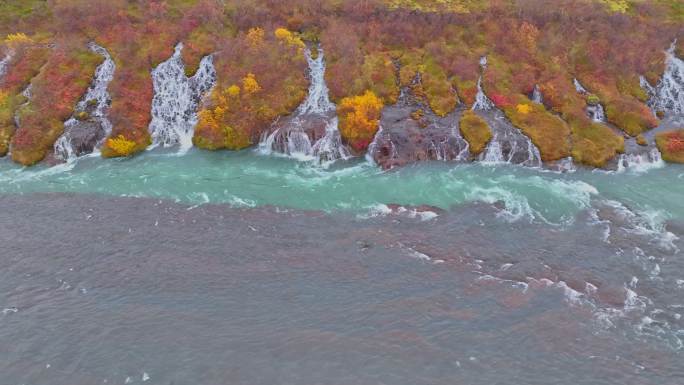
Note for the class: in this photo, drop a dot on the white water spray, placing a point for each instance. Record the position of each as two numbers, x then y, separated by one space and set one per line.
96 100
176 99
668 94
291 138
640 162
482 102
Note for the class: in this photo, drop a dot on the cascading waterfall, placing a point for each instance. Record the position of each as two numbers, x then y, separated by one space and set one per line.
96 104
508 143
668 94
292 138
482 102
176 100
596 111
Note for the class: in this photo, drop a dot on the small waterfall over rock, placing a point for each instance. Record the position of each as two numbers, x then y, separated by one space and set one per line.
312 132
4 63
508 143
482 102
89 126
594 111
382 144
640 162
176 100
668 95
27 92
537 96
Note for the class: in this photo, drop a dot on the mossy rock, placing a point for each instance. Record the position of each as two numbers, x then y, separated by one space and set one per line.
82 115
593 100
475 131
641 140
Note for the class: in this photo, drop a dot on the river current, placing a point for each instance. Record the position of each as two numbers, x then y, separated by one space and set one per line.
242 268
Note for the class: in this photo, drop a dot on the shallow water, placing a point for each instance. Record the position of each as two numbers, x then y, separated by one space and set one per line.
512 275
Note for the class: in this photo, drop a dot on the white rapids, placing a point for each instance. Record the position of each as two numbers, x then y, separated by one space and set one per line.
293 140
176 99
640 162
98 97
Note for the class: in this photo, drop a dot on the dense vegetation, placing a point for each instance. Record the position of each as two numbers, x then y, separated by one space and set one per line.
373 47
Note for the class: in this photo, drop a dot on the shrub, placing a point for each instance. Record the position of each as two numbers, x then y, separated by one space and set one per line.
119 147
671 145
476 131
359 119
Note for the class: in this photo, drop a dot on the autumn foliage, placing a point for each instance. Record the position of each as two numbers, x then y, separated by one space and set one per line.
475 131
359 119
671 145
250 94
377 46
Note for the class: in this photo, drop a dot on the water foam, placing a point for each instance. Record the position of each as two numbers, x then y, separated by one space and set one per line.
176 100
292 140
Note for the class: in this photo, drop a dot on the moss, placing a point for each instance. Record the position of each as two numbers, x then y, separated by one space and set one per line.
671 145
476 131
593 100
547 131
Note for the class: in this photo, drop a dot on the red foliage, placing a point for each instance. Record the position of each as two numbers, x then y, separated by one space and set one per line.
500 100
675 142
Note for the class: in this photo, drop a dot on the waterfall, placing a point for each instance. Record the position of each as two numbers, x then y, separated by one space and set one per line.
4 63
176 99
317 101
508 143
640 162
537 96
595 112
579 87
27 92
296 136
668 94
482 102
330 147
95 103
374 146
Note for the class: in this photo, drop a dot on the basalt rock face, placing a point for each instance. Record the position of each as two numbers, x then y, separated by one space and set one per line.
410 132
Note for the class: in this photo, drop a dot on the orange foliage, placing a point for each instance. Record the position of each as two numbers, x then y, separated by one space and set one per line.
359 119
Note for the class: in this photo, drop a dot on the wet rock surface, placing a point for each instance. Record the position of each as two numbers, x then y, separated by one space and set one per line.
411 132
